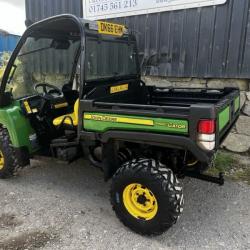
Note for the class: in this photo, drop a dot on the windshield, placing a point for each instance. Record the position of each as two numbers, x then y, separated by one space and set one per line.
42 60
106 59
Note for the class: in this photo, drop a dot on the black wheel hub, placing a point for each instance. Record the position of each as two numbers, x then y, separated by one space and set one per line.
142 199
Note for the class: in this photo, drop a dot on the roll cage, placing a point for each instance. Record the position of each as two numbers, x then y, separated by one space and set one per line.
69 24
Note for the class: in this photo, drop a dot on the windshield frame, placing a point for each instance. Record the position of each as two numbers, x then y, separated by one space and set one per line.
84 31
28 33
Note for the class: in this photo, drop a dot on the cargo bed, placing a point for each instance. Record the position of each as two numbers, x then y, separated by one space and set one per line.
158 101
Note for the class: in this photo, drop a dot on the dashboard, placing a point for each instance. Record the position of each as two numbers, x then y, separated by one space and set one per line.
38 105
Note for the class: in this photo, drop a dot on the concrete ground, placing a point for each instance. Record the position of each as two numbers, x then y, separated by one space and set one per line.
57 206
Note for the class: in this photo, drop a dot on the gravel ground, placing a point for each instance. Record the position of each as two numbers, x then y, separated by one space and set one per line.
58 206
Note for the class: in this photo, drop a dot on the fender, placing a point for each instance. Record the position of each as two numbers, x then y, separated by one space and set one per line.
18 126
165 140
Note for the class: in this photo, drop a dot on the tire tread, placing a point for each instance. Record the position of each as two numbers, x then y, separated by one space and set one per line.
169 183
9 154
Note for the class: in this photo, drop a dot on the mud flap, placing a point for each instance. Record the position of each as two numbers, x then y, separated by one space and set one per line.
110 159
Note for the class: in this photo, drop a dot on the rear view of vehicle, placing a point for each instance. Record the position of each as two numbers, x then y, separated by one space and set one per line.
147 137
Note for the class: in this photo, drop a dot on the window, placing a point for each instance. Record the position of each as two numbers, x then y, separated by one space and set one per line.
42 60
106 59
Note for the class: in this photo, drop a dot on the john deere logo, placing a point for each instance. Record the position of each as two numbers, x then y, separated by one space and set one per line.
119 119
103 118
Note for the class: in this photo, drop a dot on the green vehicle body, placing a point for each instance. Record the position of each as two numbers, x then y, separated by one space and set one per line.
20 129
18 126
100 122
95 122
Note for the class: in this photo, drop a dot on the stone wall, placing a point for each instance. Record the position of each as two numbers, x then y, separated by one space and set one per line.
239 139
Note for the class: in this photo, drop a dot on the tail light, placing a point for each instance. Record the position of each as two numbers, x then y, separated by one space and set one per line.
206 127
206 134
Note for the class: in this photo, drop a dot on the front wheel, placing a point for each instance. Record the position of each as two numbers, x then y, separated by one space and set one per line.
8 160
146 196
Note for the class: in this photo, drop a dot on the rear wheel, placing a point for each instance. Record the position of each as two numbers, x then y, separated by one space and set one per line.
8 160
146 196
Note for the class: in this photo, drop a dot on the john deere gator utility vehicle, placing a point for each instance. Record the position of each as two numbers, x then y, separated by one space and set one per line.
73 88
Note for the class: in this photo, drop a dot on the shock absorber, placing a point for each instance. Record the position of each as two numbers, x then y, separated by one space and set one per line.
124 155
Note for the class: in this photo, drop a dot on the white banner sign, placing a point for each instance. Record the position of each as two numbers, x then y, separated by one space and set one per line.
102 9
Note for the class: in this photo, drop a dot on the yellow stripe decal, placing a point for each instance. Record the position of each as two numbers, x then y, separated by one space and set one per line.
61 105
118 88
115 119
27 107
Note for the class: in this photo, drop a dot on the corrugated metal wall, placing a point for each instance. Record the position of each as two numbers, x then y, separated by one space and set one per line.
8 42
37 10
209 42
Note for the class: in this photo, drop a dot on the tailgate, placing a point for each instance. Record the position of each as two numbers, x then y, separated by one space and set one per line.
228 111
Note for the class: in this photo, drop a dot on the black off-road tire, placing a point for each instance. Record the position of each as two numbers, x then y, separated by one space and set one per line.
163 184
10 166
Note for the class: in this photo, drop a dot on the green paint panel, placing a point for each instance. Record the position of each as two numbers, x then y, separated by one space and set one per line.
17 125
236 104
159 125
224 117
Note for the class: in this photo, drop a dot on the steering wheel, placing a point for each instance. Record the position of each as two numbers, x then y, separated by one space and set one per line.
48 89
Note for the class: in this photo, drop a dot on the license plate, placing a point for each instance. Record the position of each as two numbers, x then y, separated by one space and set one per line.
111 28
119 88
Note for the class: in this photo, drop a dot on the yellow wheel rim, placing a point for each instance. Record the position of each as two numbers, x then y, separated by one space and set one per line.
1 160
140 202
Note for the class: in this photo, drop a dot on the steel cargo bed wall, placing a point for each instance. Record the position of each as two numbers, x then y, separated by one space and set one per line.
208 42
